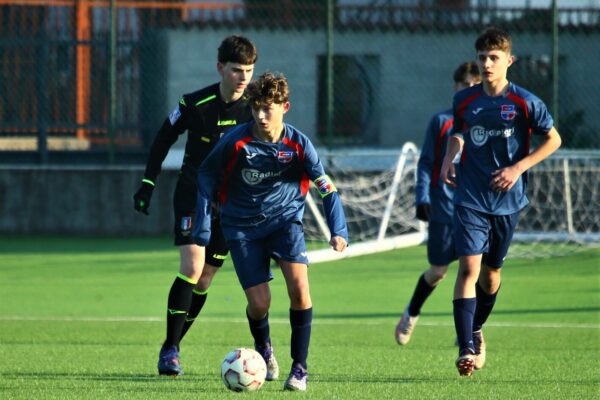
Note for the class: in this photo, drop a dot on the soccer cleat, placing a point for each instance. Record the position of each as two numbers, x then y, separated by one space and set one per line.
168 362
405 327
479 343
297 380
465 363
272 366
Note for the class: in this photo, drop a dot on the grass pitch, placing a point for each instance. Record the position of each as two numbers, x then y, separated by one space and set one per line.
84 318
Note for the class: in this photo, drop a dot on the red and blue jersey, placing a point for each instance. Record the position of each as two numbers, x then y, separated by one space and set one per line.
430 189
497 133
257 180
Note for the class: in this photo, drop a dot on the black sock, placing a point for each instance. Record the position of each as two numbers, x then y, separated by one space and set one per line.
485 304
300 321
421 293
198 300
180 298
463 322
260 331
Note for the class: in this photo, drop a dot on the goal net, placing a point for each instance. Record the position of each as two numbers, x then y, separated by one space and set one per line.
378 191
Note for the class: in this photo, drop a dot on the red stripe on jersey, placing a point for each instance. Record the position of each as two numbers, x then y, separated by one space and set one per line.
304 181
463 106
438 152
523 104
239 145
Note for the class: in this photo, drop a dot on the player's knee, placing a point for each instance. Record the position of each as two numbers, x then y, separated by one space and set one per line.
208 273
299 296
436 274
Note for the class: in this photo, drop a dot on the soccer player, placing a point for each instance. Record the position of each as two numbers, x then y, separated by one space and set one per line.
205 114
266 167
493 124
434 205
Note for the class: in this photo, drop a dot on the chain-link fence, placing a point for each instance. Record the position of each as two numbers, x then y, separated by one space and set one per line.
91 81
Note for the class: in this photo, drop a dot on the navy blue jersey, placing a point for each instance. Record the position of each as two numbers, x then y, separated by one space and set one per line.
257 180
430 189
496 133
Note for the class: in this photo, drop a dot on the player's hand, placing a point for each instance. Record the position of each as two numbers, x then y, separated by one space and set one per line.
423 212
448 173
338 243
504 179
141 198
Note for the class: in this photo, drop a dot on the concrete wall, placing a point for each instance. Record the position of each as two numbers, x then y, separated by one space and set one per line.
415 71
82 201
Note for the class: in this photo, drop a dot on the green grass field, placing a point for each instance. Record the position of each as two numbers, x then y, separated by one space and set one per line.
84 318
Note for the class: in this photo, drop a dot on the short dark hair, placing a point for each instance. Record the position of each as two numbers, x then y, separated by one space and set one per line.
494 38
237 49
269 88
464 70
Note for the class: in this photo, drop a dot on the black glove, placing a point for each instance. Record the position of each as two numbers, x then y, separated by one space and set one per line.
141 198
423 212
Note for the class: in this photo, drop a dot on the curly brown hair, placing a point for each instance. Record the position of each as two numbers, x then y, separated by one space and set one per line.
269 88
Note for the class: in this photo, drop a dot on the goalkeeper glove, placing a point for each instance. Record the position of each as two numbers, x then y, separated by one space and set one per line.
423 212
141 198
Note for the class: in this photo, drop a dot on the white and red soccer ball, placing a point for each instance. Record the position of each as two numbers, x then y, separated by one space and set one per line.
243 370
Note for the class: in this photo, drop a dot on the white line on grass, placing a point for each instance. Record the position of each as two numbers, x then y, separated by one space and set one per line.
316 321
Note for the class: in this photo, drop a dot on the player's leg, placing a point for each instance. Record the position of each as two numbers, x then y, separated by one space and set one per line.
216 253
288 247
440 252
471 231
252 266
489 282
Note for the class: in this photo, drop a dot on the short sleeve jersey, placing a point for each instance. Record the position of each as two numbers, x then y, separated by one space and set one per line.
430 189
497 133
205 117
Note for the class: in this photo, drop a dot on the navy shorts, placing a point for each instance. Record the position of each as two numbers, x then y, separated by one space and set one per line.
476 232
184 206
252 249
440 244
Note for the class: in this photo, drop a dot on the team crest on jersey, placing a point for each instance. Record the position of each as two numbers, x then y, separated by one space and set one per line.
186 225
507 112
285 156
174 116
325 185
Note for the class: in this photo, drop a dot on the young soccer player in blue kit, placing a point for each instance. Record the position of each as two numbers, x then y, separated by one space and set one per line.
434 205
261 171
493 124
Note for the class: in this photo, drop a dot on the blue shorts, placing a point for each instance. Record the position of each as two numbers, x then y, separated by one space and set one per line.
476 232
440 244
252 249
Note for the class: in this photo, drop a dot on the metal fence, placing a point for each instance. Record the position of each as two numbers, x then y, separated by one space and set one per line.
90 80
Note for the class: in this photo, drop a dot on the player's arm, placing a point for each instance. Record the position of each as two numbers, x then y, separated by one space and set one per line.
424 171
332 203
453 147
167 135
209 175
505 178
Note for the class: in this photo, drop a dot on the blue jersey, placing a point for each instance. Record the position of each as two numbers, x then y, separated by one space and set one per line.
257 180
496 133
430 189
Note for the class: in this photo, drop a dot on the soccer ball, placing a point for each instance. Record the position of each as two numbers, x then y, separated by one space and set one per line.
243 370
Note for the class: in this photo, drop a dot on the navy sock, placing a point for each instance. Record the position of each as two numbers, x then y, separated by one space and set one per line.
260 331
178 305
198 300
301 322
485 304
464 309
421 293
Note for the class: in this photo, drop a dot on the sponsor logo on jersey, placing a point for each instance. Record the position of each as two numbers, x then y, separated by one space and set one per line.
325 185
174 116
186 225
480 135
507 112
227 122
285 156
254 177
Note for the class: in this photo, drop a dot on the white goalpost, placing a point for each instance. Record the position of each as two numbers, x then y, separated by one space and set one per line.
378 190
